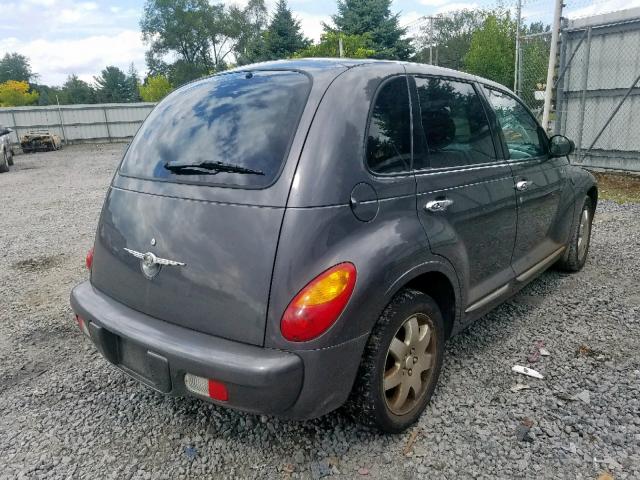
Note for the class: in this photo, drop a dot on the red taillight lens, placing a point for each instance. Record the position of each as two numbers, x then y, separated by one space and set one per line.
89 260
319 304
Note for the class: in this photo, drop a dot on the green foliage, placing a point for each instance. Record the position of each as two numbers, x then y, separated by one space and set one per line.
451 38
359 17
283 37
492 50
133 81
155 88
354 46
251 23
180 28
75 91
112 86
14 66
16 94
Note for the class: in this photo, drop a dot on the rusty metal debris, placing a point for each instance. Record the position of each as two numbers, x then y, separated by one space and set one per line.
40 141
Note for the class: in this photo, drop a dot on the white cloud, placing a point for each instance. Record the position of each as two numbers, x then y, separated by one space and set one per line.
433 3
54 60
311 24
454 6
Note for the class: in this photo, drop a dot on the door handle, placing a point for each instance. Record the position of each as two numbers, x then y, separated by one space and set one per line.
438 205
523 185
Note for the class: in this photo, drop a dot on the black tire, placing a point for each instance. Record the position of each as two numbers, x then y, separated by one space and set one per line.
578 248
10 161
4 162
369 402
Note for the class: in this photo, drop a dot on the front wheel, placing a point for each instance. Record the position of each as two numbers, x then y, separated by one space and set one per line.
576 255
4 162
401 363
10 159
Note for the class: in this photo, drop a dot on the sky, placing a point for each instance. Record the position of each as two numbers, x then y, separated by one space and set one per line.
63 37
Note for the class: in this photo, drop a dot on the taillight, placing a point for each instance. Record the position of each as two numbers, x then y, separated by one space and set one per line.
319 304
89 260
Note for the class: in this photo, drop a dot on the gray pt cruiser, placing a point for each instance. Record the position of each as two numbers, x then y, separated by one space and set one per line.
295 235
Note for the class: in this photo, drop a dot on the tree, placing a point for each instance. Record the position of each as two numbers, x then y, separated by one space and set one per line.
133 82
450 39
155 88
252 23
284 36
354 46
358 17
492 50
16 94
14 66
76 91
112 86
179 28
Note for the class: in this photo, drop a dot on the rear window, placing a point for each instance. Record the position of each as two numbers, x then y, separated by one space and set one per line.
233 129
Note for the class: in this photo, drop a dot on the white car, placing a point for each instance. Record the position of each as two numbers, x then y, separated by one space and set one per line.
6 153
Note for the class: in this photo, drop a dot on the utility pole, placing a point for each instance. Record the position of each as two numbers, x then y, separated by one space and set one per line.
517 72
340 46
431 40
553 53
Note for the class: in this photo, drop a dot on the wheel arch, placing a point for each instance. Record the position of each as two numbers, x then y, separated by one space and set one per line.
440 282
592 193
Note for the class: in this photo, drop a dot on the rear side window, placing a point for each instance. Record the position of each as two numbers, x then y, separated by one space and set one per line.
233 129
521 132
389 138
455 125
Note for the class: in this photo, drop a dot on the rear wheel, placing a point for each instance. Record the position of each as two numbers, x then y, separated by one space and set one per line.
578 248
401 364
4 162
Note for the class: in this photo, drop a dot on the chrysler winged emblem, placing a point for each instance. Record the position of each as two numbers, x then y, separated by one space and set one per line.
150 264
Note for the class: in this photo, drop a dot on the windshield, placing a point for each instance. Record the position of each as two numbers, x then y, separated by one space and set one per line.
240 122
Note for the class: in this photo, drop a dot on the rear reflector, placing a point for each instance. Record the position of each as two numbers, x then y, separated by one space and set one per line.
206 387
89 260
82 324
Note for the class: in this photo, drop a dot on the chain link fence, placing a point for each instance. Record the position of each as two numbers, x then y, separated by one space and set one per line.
532 66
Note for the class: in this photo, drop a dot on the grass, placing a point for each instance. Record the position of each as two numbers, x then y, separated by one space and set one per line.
619 187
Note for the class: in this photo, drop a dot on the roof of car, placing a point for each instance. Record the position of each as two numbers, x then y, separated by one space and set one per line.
314 66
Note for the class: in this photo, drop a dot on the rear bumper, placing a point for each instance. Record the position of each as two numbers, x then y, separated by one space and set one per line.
159 354
299 385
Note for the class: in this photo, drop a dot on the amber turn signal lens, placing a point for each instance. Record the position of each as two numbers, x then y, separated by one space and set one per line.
319 304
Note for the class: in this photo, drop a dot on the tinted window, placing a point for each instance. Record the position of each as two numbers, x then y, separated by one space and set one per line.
455 125
521 132
389 140
238 119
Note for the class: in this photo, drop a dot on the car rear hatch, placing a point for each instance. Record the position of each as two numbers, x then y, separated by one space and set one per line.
201 192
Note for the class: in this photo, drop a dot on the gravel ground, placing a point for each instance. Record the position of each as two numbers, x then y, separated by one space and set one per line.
66 413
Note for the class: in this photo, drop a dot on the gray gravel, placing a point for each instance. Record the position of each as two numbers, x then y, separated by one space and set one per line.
65 413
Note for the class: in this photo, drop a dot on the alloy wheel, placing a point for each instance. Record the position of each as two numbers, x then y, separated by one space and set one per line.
409 364
584 231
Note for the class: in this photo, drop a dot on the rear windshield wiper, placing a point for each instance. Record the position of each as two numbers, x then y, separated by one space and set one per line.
208 168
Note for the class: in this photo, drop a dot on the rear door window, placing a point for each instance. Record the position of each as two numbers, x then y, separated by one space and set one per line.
233 130
389 138
455 125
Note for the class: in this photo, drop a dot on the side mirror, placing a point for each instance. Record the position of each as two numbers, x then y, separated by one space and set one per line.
4 131
561 146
